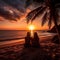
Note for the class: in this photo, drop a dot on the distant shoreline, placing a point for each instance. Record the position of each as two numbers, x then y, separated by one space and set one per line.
11 39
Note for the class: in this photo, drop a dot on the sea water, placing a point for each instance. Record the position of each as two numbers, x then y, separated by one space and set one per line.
12 34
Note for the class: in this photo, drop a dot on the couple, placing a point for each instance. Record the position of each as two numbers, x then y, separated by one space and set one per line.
32 41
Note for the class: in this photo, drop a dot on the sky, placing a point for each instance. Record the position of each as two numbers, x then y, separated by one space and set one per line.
20 25
13 13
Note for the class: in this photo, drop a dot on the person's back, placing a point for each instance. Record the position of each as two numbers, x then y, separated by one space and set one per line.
35 41
27 40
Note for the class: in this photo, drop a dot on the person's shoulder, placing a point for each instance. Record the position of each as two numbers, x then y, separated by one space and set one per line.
25 37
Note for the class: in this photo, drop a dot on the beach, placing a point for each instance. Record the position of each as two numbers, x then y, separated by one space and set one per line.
29 30
12 47
16 51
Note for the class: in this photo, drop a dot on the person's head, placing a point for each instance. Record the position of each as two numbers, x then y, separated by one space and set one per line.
28 34
35 34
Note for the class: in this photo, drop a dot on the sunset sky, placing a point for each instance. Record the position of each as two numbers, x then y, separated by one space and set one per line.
20 25
12 10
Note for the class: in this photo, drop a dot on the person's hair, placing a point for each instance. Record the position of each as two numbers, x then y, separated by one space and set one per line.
28 34
35 34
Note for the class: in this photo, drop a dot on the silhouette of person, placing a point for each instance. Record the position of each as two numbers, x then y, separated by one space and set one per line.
27 40
35 40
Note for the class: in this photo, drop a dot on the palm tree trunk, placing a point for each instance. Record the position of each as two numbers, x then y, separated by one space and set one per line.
56 25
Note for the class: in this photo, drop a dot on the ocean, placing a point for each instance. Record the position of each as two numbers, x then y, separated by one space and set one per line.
17 34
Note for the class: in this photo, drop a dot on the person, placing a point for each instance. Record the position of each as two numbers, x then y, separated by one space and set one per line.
27 40
35 40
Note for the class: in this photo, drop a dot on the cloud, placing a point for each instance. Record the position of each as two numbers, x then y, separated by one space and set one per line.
18 4
12 9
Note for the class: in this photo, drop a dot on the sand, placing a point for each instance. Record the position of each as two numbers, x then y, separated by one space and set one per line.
16 51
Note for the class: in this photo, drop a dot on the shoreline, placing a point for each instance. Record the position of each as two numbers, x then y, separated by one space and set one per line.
3 40
11 43
21 41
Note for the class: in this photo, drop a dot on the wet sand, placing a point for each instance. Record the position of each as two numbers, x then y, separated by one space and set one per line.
16 51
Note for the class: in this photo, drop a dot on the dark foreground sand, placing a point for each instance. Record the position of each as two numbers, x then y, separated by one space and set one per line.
16 51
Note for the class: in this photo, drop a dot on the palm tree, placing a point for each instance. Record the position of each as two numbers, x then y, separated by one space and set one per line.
50 10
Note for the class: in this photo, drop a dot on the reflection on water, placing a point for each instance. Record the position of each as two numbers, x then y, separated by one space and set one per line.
7 34
32 33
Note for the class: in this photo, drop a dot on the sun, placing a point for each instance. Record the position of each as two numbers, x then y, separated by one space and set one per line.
31 27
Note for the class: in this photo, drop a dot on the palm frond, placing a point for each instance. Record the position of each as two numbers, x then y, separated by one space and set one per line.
44 19
50 19
35 13
32 13
50 23
40 12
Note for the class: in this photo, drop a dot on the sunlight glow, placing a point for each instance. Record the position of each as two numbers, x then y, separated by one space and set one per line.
31 27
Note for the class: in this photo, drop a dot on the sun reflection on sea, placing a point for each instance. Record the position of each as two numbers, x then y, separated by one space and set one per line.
31 28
